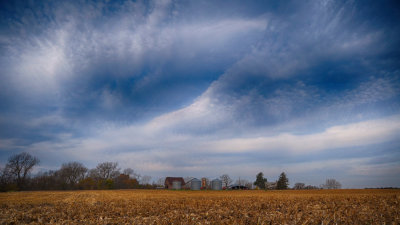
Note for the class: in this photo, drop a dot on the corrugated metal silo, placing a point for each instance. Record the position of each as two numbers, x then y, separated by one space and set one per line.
195 184
216 184
177 185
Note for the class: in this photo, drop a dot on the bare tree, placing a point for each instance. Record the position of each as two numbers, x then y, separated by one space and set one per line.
332 184
48 180
107 170
4 179
93 173
5 175
310 187
132 173
244 182
241 182
145 180
136 176
226 180
128 171
19 166
72 172
160 181
249 184
299 186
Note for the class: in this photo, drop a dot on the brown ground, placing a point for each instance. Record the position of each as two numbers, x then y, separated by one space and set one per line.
201 207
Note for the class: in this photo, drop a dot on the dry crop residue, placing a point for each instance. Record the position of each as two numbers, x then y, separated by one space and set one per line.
201 207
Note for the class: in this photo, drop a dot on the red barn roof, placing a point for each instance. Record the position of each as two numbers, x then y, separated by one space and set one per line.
169 180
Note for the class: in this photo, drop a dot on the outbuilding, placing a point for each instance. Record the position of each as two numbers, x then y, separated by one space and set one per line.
238 187
169 181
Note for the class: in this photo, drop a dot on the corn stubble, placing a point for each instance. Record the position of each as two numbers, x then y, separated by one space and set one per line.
201 207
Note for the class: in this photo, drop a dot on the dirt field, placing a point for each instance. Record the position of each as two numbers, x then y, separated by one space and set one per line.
202 207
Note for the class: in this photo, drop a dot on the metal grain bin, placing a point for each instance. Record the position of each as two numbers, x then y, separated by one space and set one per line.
177 185
216 184
195 184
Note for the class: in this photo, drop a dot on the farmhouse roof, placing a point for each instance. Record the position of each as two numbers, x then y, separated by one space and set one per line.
172 179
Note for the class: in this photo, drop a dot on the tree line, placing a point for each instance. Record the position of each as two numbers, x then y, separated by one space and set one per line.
15 176
283 183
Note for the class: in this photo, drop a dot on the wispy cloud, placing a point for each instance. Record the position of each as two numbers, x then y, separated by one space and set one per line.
346 136
193 88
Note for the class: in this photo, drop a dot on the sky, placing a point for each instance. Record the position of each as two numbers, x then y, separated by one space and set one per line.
205 88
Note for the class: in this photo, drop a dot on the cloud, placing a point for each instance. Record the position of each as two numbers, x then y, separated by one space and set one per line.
82 55
168 86
159 144
350 135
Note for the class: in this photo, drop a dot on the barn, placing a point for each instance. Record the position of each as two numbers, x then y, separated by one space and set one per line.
169 180
238 187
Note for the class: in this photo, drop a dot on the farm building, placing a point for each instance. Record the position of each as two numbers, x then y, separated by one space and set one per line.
170 181
188 182
192 183
216 184
238 187
271 185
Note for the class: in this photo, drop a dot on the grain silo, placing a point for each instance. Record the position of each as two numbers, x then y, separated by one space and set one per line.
195 184
203 183
177 185
216 184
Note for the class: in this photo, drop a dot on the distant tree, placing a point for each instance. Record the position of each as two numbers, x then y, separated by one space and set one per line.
93 174
71 173
241 182
249 184
244 182
310 187
283 182
136 176
2 176
160 181
5 180
123 181
226 180
48 180
132 174
107 184
19 166
332 184
128 171
145 180
299 186
89 183
107 170
260 181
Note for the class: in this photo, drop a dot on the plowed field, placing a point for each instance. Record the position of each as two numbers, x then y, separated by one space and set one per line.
201 207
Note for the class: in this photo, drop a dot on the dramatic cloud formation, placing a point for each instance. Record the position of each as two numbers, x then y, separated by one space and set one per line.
202 88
